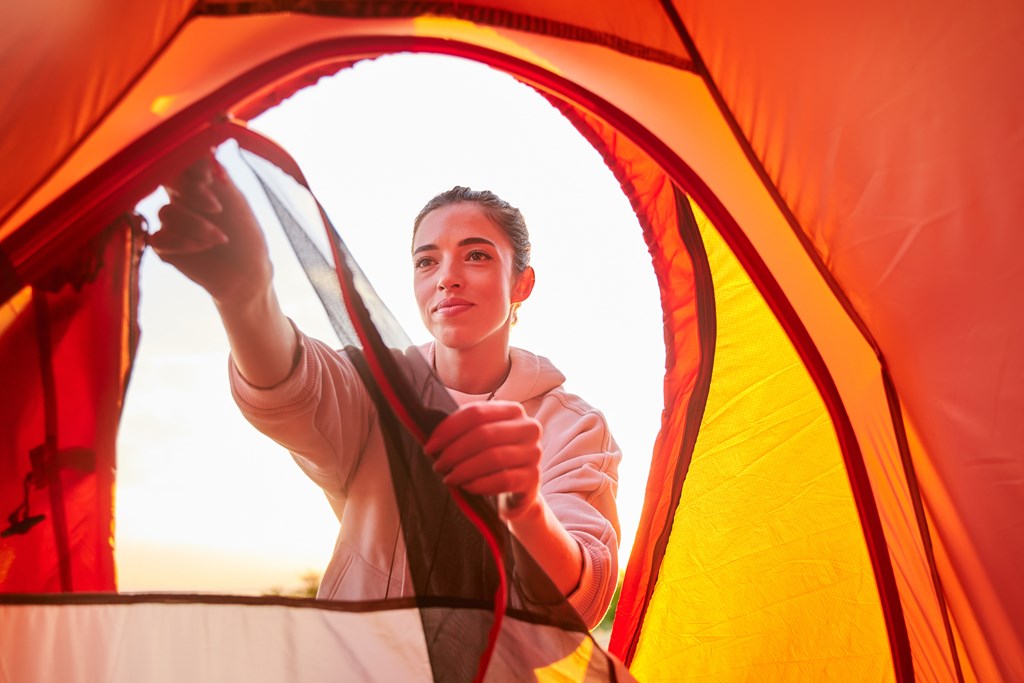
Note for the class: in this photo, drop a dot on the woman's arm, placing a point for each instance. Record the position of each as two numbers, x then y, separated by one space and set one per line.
209 233
303 395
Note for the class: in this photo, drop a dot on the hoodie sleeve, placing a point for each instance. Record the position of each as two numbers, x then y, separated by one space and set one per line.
320 412
579 482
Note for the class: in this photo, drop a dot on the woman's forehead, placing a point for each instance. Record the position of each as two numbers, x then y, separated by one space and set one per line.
454 223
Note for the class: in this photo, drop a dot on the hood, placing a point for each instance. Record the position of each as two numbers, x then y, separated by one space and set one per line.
531 376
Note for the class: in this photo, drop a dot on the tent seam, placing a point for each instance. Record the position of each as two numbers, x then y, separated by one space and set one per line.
502 18
920 517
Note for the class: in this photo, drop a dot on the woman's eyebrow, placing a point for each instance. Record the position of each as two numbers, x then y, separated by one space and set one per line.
475 240
462 243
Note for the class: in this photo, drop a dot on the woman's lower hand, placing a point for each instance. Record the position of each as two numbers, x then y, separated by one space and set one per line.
490 448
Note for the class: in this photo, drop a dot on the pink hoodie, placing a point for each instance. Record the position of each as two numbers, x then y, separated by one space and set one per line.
324 416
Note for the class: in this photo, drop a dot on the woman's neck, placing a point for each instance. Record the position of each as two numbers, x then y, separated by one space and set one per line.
477 370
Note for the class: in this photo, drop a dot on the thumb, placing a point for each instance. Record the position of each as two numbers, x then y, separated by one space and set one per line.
193 187
224 190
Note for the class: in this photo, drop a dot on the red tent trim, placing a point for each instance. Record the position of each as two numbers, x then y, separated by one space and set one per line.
896 416
705 302
919 514
637 590
874 534
863 496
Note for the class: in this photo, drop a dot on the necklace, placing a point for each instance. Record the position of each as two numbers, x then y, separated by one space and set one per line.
433 362
502 382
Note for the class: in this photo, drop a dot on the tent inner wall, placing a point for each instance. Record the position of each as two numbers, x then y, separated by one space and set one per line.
766 545
763 541
66 347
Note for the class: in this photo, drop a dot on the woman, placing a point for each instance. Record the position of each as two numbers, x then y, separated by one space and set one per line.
517 433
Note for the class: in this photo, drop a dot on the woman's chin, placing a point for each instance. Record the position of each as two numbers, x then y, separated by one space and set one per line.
453 339
462 339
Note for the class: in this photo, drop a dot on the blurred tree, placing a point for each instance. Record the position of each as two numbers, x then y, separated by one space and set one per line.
310 583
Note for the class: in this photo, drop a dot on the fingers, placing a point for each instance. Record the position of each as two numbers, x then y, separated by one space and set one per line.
224 190
210 234
489 449
488 463
519 483
468 418
504 470
196 188
521 433
184 232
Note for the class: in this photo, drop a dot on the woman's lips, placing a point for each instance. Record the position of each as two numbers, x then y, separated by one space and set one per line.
451 307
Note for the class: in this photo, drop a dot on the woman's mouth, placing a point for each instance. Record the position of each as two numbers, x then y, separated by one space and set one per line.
452 306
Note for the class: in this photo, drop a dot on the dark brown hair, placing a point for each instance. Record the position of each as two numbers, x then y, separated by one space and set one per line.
503 214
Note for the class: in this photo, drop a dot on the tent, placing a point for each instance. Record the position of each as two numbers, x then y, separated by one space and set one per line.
828 193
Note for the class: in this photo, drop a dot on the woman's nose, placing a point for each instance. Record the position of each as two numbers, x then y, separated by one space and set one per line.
448 277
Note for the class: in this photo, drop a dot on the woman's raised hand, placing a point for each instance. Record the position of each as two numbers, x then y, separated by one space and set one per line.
490 448
209 233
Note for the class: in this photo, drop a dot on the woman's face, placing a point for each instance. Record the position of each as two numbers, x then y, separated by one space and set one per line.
463 276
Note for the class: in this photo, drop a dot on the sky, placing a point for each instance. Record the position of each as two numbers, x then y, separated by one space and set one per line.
204 502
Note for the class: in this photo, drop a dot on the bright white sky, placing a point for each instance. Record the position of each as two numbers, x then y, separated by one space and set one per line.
205 503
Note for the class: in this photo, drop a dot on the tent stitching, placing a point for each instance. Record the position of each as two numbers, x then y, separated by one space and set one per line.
501 18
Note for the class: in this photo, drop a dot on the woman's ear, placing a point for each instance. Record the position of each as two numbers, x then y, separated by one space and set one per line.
524 285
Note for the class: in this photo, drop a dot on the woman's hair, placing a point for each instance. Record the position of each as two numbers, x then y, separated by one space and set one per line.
504 215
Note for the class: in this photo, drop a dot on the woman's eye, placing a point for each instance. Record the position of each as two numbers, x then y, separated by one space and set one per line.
478 256
422 262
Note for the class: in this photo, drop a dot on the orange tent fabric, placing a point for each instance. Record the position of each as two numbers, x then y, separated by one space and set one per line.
852 172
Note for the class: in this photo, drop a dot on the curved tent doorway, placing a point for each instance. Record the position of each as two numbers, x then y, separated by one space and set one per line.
359 138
